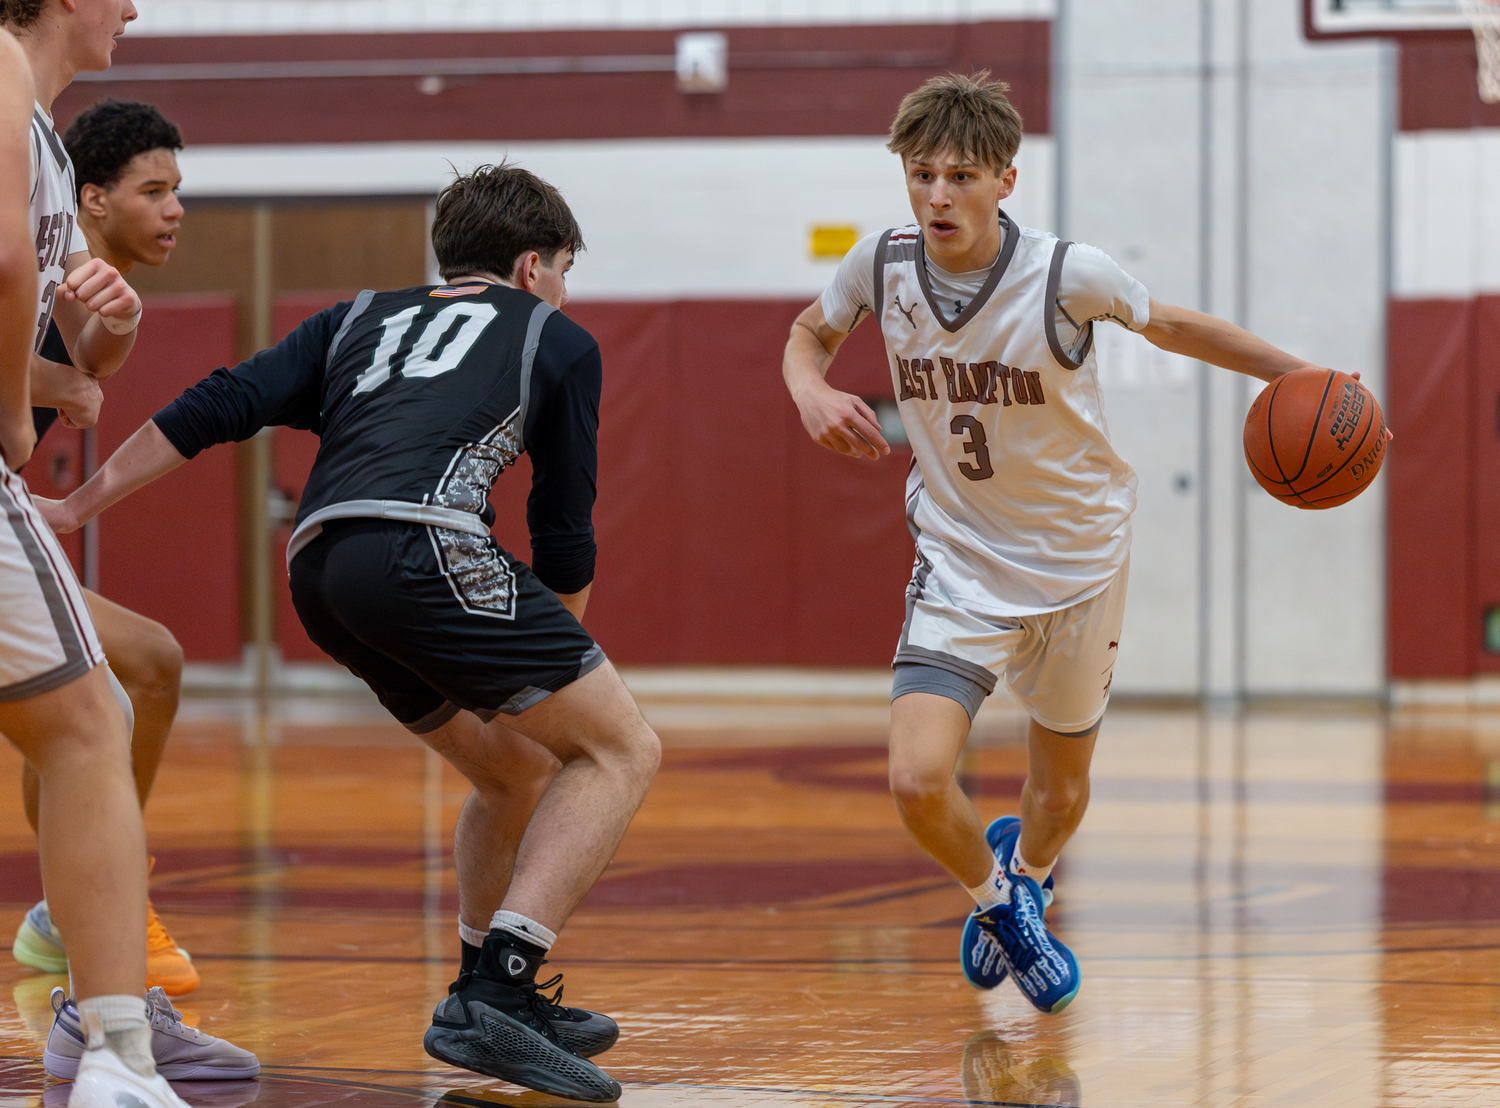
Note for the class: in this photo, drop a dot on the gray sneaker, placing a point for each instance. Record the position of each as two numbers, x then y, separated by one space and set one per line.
182 1053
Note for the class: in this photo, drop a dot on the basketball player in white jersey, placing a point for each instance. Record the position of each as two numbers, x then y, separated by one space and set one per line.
55 702
96 313
1019 504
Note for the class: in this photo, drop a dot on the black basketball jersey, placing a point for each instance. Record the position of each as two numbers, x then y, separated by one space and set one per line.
422 398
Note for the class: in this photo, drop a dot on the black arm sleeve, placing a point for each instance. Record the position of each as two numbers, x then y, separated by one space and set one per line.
282 386
561 434
54 350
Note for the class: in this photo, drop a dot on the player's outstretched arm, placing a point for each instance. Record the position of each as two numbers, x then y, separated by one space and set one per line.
18 303
141 459
1206 338
837 420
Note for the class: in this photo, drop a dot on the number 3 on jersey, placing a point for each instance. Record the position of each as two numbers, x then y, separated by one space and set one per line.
979 469
424 359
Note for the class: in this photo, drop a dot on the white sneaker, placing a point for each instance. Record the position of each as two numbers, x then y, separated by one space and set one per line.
104 1081
182 1053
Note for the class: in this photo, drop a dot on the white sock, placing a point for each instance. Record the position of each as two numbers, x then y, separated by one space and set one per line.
471 935
1039 874
993 890
121 1024
527 930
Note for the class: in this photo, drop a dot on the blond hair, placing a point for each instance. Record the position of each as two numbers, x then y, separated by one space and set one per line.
969 115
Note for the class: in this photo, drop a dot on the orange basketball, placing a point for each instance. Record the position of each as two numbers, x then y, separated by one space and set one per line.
1315 438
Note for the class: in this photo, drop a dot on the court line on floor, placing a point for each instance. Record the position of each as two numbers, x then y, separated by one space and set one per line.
794 964
459 1098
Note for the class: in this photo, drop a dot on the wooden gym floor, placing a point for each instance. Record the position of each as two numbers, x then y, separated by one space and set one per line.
1294 907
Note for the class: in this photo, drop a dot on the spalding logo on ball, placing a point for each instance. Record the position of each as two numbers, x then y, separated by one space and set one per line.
1315 438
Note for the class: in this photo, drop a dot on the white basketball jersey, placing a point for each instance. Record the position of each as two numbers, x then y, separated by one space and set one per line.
1015 496
54 214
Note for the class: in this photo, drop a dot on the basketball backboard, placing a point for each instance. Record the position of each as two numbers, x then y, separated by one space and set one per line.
1376 17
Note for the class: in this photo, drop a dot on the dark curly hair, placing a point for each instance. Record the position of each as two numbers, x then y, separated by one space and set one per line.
105 137
487 219
21 13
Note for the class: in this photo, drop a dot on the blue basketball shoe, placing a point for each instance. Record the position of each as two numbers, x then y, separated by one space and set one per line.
1003 834
1042 967
979 952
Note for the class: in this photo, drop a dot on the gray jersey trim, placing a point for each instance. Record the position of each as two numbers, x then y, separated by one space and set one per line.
36 157
1049 324
877 297
52 140
539 316
361 302
76 660
1012 238
434 719
531 695
449 518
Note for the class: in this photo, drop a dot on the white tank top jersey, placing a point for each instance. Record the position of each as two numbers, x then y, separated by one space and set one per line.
54 214
1016 498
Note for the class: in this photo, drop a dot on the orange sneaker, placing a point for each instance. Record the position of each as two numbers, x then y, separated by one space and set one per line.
167 964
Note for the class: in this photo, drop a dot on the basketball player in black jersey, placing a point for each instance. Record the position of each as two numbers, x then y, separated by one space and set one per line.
422 399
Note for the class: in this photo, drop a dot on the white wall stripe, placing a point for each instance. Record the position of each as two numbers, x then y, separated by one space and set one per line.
231 17
663 218
1447 213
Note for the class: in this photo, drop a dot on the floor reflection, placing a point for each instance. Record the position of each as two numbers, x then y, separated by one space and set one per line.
1296 907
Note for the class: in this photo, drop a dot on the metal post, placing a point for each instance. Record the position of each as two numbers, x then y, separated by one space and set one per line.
256 487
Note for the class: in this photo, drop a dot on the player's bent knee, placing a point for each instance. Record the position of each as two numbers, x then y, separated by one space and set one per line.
1062 798
917 789
77 723
163 654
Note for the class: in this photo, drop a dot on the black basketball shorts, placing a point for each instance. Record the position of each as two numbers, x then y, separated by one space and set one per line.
435 621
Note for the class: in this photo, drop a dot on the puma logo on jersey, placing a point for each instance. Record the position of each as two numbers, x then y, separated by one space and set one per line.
969 382
907 313
1114 646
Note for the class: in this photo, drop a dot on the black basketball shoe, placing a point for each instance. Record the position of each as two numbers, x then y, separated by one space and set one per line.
583 1032
496 1023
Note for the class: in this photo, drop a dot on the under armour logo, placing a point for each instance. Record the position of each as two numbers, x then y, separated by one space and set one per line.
907 313
515 965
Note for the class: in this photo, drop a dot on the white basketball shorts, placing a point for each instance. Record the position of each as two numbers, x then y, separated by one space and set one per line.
1058 664
47 636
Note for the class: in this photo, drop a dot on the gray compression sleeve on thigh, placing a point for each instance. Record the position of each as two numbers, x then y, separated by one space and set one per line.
916 677
124 701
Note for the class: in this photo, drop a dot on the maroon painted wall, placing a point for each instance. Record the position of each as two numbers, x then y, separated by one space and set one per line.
1440 86
783 81
171 551
725 535
1443 502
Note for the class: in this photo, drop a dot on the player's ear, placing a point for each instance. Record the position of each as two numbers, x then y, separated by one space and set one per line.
526 267
91 200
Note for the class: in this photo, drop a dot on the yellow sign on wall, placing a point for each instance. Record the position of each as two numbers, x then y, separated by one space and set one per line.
832 242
